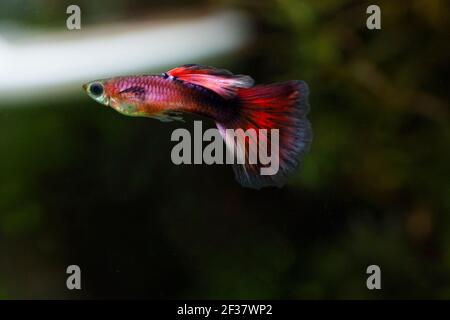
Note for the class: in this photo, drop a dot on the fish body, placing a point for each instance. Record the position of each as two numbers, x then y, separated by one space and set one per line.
161 96
232 101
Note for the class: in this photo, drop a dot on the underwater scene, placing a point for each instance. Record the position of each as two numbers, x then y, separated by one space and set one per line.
113 128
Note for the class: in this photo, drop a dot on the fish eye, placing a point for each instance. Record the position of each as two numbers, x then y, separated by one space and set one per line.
96 89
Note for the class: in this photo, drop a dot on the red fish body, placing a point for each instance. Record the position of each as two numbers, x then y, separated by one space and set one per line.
163 95
230 100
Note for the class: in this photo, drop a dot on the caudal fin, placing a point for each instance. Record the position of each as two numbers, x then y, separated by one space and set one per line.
281 106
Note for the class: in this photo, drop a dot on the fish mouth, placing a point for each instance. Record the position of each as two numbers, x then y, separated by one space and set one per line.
85 86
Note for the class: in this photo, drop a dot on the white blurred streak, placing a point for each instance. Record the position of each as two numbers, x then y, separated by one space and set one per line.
50 65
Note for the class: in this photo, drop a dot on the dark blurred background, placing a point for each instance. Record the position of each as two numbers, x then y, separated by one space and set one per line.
81 184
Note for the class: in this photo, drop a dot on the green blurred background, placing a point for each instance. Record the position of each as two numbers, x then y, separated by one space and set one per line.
81 184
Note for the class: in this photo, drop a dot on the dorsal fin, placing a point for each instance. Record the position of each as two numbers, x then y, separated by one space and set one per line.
221 81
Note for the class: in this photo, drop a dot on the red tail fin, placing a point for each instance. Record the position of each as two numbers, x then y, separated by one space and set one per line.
281 106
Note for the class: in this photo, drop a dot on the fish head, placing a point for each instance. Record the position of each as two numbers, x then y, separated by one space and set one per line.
96 90
110 92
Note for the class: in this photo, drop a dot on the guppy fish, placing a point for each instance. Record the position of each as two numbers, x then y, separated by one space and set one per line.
232 101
